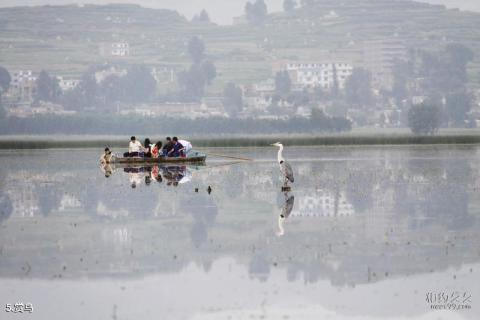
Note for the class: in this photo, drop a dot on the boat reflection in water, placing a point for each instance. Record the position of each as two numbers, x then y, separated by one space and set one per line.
171 175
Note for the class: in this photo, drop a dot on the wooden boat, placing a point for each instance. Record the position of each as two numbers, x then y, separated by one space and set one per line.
193 157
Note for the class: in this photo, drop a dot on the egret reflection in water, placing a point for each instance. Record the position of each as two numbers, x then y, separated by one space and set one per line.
285 212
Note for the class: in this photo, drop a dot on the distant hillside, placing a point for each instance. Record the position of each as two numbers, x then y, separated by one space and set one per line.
67 39
220 11
468 5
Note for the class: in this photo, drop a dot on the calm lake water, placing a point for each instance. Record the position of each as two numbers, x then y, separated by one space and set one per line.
373 233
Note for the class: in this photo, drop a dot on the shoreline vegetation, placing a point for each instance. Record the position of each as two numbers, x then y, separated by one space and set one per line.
10 142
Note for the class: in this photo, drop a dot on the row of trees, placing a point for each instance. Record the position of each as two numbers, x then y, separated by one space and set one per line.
93 124
136 84
201 73
5 80
256 12
442 78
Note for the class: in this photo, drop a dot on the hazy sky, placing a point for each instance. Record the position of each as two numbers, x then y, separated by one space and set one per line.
220 11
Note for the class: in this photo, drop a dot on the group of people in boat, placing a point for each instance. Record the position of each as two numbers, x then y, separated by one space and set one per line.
173 147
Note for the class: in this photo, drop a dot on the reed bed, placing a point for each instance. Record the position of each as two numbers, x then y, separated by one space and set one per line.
246 141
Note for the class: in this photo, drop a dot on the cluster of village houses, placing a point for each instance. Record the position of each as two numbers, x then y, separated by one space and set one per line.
378 57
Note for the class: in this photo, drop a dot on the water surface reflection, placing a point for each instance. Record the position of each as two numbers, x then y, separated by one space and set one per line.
360 224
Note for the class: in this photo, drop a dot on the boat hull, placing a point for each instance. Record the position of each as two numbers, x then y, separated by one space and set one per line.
197 158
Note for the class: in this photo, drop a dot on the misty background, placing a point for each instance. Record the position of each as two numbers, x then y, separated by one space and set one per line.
220 11
239 67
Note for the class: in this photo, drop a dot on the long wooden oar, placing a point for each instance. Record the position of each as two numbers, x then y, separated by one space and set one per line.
209 167
229 157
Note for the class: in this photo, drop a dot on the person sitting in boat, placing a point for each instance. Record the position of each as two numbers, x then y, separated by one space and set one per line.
177 150
168 147
157 149
147 148
187 145
134 148
106 156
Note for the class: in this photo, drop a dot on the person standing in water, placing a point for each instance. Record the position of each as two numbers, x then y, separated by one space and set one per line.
106 157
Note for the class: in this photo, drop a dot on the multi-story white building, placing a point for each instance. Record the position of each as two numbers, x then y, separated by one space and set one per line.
317 74
116 49
120 49
100 76
22 86
67 84
265 87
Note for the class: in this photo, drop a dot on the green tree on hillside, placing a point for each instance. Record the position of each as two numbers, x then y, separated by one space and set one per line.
256 12
47 87
232 99
335 90
202 17
401 75
283 84
209 71
113 89
457 106
84 95
139 84
196 49
200 74
3 112
424 118
457 57
358 88
445 71
289 5
298 99
5 80
89 89
192 83
307 3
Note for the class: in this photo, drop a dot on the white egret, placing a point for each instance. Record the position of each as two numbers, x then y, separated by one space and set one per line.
285 167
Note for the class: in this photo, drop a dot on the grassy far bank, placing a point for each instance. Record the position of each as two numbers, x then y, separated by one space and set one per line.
356 137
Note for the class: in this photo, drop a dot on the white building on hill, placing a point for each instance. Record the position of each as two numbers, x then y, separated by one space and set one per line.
67 84
120 49
116 49
317 74
23 86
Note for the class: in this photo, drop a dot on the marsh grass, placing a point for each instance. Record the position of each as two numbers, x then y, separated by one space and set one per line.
19 142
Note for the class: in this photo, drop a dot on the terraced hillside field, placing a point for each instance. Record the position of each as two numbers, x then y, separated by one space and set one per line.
67 39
